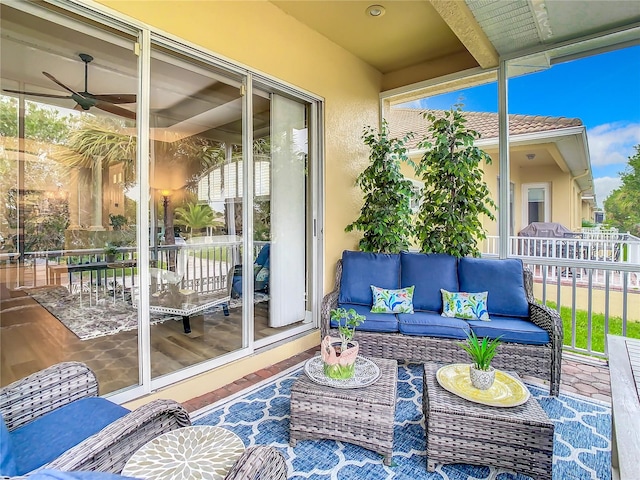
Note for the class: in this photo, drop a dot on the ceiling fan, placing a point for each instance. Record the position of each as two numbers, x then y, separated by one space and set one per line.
85 100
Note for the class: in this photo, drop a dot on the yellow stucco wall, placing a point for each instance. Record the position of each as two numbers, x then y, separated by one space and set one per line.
264 38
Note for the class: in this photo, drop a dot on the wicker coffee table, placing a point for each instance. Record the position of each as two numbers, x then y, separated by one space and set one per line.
362 416
459 431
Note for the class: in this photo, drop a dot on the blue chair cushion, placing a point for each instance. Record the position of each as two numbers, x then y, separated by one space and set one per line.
432 324
263 256
46 438
512 329
429 273
502 278
260 273
375 322
58 475
360 270
7 460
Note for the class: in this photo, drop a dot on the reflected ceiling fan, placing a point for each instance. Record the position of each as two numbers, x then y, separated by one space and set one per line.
86 100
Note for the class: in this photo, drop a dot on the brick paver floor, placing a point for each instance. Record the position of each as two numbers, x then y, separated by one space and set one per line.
586 377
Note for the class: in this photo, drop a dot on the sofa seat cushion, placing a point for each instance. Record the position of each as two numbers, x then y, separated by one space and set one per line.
429 273
512 329
49 436
375 322
360 270
502 278
7 459
432 324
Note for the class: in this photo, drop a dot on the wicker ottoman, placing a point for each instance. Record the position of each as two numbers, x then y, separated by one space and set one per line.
362 416
459 431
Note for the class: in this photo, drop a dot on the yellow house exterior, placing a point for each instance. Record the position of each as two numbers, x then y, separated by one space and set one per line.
546 153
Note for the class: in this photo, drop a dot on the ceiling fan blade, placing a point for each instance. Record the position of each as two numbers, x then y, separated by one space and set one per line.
114 97
109 107
48 95
55 80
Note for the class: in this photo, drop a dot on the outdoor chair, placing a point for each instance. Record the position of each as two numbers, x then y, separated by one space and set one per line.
55 419
260 274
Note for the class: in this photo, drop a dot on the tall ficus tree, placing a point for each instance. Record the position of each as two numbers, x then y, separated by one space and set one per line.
455 196
621 207
385 218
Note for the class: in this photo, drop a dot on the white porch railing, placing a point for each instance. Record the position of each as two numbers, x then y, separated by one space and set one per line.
204 267
615 249
593 281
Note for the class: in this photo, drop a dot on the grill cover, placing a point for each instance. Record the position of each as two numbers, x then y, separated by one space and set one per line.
547 230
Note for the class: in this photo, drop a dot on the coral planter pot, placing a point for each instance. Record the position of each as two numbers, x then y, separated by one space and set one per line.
338 364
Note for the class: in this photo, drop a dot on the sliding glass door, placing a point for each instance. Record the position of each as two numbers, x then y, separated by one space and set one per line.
67 183
157 203
196 184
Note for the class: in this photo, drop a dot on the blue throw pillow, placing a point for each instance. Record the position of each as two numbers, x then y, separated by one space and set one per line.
392 301
7 461
468 306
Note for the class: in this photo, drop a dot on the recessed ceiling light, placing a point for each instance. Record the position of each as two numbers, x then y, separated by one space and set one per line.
375 10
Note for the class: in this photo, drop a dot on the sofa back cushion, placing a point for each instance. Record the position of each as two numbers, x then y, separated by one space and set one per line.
502 278
360 270
429 273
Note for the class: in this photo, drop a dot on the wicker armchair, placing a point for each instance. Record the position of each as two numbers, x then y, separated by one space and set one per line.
109 449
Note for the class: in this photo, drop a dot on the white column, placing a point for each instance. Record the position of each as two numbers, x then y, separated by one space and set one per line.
96 197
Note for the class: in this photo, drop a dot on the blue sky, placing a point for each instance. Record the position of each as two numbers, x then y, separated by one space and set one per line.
603 91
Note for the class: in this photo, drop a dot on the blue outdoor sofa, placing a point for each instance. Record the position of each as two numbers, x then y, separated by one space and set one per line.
531 333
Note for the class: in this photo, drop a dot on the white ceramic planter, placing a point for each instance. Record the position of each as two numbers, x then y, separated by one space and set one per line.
482 379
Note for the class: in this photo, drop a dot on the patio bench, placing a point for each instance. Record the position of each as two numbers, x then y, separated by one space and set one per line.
624 370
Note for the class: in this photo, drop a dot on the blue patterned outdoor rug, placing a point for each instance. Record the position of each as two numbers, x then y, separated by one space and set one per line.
261 416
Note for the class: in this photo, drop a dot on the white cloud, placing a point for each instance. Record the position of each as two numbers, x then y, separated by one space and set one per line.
603 187
412 104
612 143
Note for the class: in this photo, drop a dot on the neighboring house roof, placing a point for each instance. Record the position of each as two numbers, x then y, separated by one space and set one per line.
404 120
568 135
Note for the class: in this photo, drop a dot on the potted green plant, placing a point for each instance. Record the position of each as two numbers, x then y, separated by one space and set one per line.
481 352
339 353
455 197
386 216
110 251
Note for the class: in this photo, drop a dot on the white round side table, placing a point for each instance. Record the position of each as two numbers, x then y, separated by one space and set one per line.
188 453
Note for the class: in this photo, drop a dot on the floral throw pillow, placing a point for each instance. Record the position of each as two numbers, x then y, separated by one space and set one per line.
392 301
469 306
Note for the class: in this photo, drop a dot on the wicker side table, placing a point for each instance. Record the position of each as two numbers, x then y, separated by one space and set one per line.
362 416
459 431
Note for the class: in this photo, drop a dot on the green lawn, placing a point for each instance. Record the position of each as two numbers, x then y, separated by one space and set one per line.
598 335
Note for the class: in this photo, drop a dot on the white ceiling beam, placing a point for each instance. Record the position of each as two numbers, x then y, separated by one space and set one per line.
464 25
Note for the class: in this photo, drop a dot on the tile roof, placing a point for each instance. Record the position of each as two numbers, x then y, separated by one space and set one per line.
404 120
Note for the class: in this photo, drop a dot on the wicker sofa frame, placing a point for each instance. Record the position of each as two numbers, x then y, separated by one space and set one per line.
108 451
540 361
